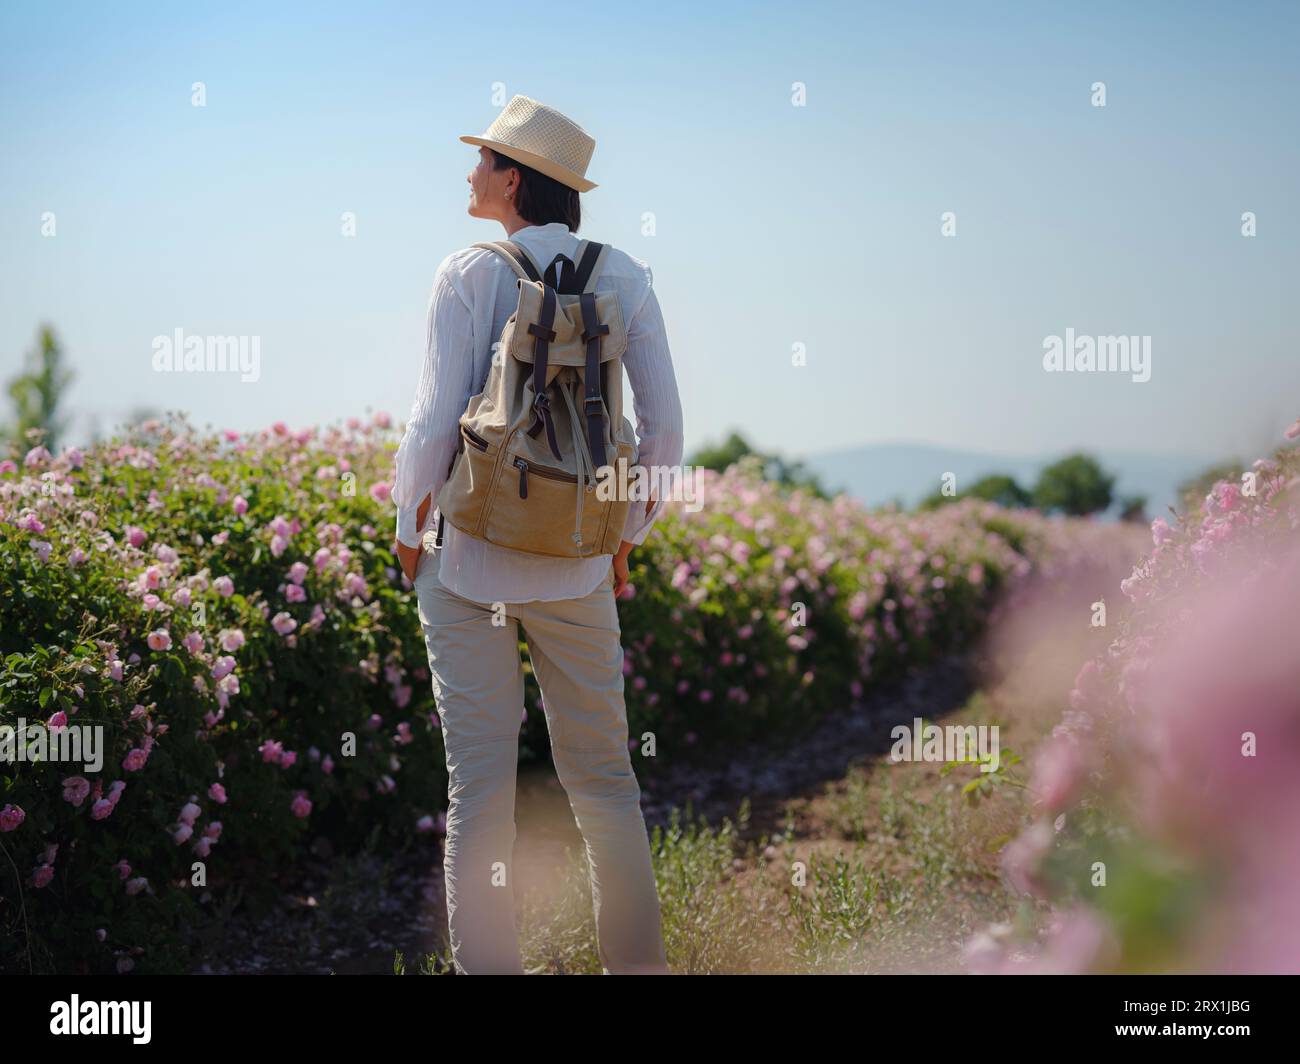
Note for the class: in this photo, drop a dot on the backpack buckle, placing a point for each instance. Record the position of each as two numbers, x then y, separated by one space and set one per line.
589 400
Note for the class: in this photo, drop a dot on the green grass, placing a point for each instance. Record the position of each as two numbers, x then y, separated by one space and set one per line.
902 873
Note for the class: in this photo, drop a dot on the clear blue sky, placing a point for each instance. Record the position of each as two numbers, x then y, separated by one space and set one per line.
775 224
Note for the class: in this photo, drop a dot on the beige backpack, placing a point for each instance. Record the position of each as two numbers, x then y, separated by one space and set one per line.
549 417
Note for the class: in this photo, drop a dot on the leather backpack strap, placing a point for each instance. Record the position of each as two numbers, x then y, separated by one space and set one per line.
591 258
543 335
592 330
516 255
560 273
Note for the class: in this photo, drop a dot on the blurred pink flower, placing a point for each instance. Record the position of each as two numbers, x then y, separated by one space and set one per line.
1022 856
1060 769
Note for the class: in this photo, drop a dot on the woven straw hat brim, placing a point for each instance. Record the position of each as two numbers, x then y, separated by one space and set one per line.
539 163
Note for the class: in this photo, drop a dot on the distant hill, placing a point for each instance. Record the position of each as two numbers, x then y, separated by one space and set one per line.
878 473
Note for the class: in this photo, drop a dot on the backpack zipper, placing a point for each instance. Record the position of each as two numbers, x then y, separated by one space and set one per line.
474 438
525 467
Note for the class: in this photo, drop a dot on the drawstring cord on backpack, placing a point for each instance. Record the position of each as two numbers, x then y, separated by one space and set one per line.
585 462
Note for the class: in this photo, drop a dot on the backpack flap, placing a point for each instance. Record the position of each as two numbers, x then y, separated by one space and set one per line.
568 347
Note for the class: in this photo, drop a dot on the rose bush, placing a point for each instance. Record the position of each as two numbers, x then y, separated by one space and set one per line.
1164 836
227 610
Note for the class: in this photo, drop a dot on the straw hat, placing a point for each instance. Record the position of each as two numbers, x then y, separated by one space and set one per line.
539 136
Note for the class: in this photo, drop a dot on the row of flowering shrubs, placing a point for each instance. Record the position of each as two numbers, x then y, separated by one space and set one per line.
1164 834
226 611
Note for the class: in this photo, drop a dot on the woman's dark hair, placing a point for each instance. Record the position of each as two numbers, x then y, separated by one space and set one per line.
541 199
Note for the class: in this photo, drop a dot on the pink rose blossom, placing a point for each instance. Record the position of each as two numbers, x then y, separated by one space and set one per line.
134 760
75 789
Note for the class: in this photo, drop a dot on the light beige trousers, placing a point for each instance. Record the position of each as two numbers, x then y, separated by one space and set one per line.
478 684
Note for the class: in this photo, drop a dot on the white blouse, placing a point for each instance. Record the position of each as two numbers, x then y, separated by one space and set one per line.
474 293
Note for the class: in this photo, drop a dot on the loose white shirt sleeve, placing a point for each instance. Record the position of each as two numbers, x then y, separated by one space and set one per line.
440 397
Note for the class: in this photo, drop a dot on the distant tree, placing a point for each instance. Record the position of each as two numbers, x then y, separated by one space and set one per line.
1076 485
1001 489
720 457
775 468
38 392
997 487
1134 508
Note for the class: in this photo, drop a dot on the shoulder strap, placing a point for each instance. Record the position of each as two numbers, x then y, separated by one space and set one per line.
591 257
516 255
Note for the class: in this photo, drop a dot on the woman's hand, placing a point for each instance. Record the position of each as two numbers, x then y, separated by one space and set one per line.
410 559
620 567
410 556
620 559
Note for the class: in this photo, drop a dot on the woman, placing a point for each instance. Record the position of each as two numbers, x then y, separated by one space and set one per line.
474 595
